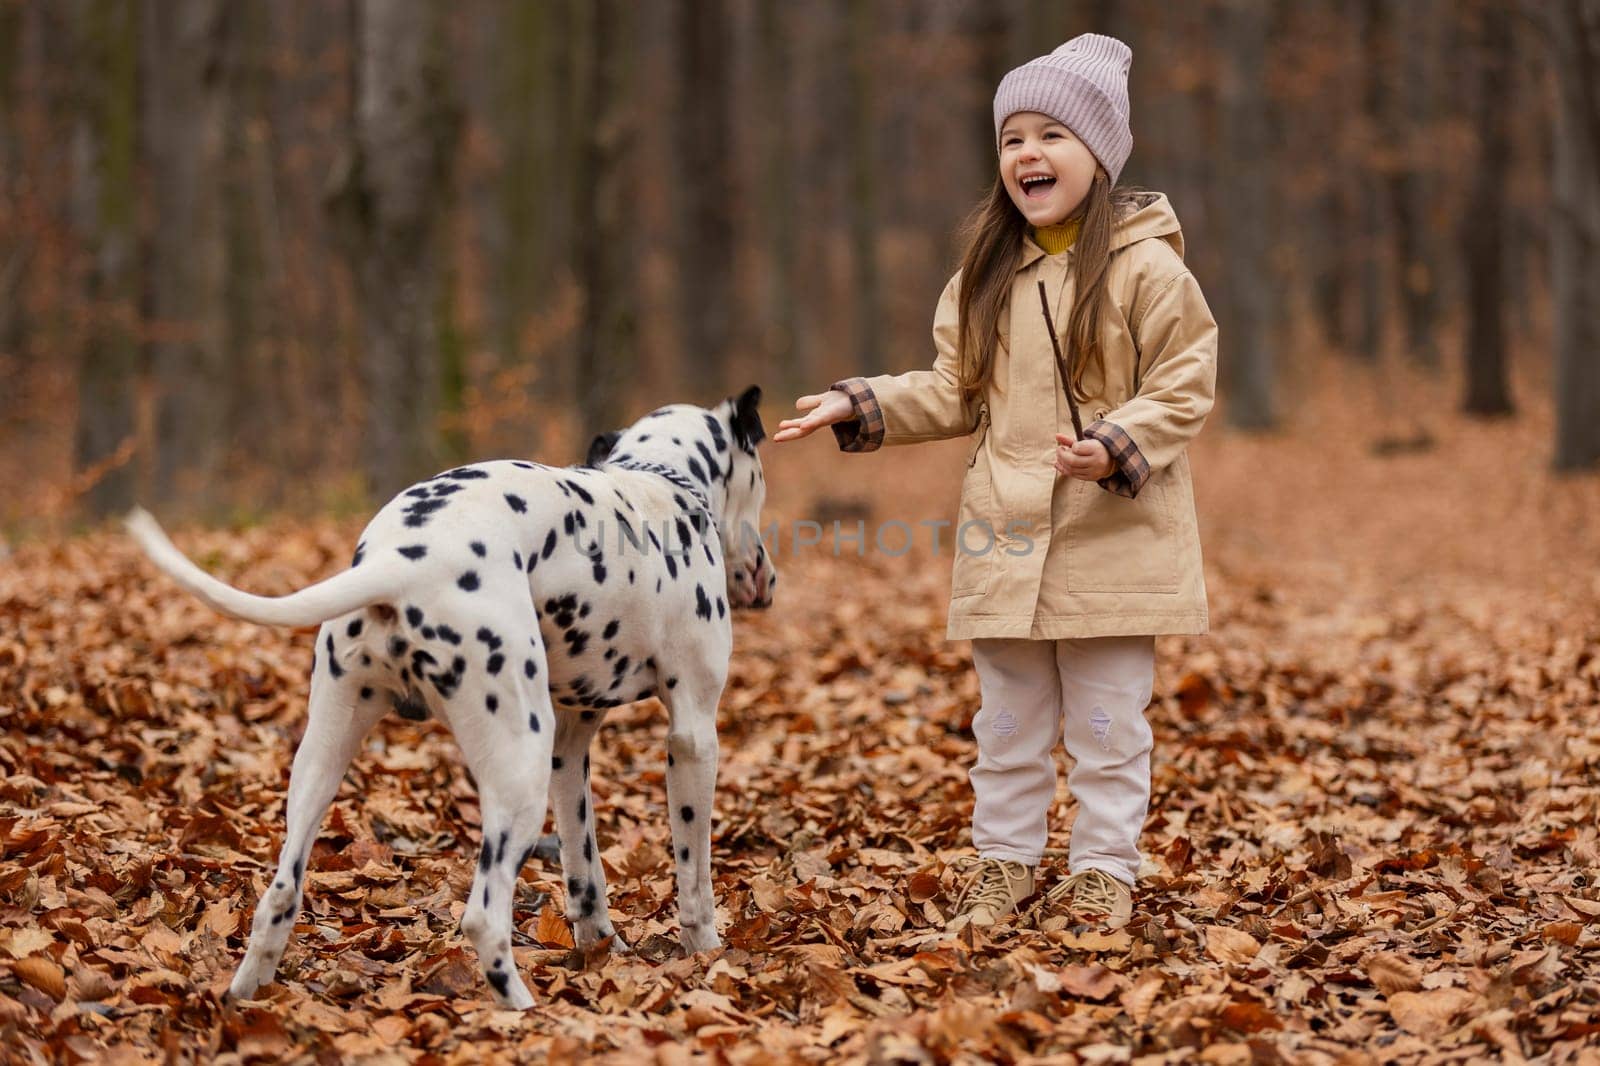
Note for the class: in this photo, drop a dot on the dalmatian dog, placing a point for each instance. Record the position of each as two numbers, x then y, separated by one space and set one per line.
517 603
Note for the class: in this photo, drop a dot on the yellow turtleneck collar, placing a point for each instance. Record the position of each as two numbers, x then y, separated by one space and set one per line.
1058 238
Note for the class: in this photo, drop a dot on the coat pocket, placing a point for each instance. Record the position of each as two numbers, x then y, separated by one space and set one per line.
1115 544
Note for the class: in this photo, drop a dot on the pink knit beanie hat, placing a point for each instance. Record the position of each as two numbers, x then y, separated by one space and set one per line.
1084 86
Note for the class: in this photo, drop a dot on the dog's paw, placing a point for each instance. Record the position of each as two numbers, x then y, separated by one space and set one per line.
698 938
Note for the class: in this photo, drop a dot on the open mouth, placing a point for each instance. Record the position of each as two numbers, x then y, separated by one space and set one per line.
1037 186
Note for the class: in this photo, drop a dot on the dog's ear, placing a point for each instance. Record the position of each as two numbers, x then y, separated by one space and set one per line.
747 428
600 447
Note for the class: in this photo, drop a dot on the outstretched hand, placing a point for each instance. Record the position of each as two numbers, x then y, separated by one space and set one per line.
1086 460
825 409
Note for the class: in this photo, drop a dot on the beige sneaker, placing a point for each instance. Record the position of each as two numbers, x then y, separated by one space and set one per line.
1094 897
993 889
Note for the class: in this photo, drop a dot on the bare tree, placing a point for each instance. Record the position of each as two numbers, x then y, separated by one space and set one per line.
183 112
1575 239
862 203
705 185
394 183
607 334
103 214
1242 171
1483 228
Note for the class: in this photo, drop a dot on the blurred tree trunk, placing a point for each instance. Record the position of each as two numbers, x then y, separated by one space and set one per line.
1242 165
181 128
774 61
861 51
253 323
12 237
605 242
103 216
1483 228
705 179
1575 237
1412 47
1366 243
392 193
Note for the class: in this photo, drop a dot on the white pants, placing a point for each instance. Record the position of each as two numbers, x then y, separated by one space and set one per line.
1092 693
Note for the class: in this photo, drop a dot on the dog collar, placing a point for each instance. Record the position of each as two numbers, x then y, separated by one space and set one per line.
677 477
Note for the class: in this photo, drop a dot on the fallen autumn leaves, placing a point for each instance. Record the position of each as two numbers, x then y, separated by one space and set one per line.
1372 838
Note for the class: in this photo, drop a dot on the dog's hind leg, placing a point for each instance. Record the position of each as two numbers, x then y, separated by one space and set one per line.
341 713
691 784
574 807
507 749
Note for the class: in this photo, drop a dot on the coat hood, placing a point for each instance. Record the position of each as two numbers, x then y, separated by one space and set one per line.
1152 216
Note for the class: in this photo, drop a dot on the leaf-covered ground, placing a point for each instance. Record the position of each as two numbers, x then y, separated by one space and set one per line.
1372 836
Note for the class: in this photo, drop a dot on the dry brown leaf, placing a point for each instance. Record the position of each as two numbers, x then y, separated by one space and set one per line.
1393 973
1227 944
43 973
1434 1012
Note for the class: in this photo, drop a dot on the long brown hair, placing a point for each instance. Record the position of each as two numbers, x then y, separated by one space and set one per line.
993 235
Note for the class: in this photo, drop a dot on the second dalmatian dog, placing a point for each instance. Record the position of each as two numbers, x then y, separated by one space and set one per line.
517 603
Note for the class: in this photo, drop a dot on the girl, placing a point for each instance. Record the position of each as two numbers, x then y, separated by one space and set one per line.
1073 551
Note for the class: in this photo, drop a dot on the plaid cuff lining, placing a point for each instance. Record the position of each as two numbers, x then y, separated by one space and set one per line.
1132 469
865 432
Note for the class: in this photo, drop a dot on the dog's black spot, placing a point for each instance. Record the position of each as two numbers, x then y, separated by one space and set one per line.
478 549
488 637
687 813
485 857
517 503
574 886
588 908
427 633
355 560
333 663
569 523
533 722
695 469
582 494
414 551
448 635
722 608
299 871
670 760
492 702
583 808
529 668
555 762
672 682
354 628
500 855
516 560
549 545
421 657
496 661
702 604
587 716
672 570
588 849
397 646
446 490
468 581
414 616
418 513
599 574
611 628
366 692
501 981
465 473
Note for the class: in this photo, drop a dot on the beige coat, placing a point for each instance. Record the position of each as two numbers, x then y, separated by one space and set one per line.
1070 558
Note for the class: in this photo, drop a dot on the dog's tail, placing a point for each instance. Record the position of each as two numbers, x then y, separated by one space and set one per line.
339 594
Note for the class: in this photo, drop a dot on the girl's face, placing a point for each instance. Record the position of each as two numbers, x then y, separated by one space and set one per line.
1045 168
